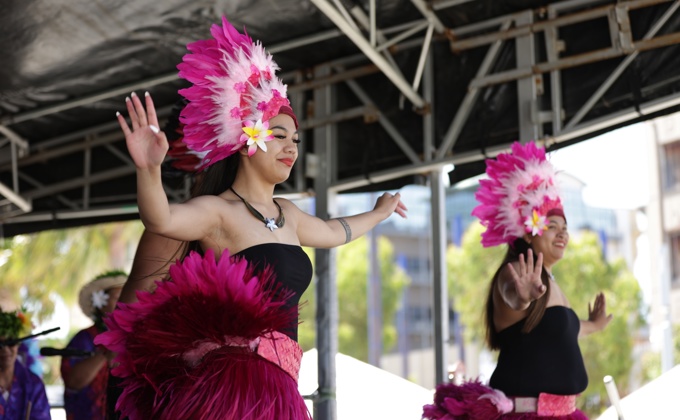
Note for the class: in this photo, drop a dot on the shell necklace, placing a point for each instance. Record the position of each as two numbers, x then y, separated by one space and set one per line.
270 224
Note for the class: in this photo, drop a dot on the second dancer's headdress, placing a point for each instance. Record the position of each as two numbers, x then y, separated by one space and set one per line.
519 195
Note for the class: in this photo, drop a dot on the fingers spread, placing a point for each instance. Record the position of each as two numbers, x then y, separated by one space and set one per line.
151 110
513 273
522 264
123 124
538 268
139 108
132 113
530 259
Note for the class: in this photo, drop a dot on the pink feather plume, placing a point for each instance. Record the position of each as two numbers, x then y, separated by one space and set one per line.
518 183
233 80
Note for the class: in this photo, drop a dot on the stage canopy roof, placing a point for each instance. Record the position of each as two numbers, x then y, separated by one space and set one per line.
407 86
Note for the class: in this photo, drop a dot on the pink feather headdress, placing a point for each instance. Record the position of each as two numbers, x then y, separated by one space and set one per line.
519 195
234 94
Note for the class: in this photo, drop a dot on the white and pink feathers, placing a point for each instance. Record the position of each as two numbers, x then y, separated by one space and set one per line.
233 81
518 195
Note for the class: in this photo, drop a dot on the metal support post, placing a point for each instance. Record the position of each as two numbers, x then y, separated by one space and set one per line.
530 127
440 305
325 406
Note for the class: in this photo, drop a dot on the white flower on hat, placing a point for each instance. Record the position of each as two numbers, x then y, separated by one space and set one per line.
100 298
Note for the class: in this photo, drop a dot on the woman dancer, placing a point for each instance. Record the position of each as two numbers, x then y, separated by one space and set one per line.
540 369
218 341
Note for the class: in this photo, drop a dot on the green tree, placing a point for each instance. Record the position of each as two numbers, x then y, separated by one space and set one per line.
651 360
470 268
581 274
61 261
352 279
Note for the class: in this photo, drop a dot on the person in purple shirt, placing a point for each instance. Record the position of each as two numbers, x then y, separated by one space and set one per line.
85 378
22 393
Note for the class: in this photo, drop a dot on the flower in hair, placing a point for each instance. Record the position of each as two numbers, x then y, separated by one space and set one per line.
518 196
256 134
536 223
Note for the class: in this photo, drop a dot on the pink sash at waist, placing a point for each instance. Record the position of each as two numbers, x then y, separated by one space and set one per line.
275 347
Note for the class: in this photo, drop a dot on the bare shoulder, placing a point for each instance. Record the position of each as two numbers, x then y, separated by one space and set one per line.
285 202
288 206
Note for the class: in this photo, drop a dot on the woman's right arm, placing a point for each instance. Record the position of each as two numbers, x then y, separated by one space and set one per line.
148 146
154 255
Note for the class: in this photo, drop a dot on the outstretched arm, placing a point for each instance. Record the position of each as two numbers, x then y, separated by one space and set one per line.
597 317
319 233
148 146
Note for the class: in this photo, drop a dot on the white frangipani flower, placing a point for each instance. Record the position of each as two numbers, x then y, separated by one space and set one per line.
99 299
271 224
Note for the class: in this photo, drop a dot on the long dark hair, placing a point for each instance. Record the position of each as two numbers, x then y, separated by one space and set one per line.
536 308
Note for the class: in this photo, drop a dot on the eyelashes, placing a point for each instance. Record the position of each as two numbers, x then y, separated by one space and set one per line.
282 137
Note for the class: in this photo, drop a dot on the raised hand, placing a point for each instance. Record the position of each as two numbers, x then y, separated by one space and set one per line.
145 142
388 204
527 278
597 314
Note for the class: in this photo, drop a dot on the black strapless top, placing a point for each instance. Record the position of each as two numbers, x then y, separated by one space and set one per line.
548 359
291 265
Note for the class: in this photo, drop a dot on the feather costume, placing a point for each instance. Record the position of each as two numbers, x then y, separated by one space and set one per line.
205 345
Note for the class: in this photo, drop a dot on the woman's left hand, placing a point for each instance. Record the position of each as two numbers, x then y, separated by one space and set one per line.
388 204
597 314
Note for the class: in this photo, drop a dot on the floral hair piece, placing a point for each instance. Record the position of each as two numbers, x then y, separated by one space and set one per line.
519 196
15 324
234 94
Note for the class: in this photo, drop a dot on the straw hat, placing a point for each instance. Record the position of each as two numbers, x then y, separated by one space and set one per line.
7 302
103 282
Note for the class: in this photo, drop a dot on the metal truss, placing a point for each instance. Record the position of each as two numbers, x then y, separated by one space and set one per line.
377 46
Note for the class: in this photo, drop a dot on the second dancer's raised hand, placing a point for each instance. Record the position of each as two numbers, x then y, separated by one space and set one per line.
146 144
527 278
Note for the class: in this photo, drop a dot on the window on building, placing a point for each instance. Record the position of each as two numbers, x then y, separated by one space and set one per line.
415 266
675 259
671 169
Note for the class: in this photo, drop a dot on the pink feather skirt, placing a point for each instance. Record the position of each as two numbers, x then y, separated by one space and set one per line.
474 401
206 345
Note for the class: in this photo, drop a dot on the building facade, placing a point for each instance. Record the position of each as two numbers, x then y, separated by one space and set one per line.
664 233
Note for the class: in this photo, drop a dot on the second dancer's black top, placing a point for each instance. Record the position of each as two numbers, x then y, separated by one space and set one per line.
291 265
548 359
